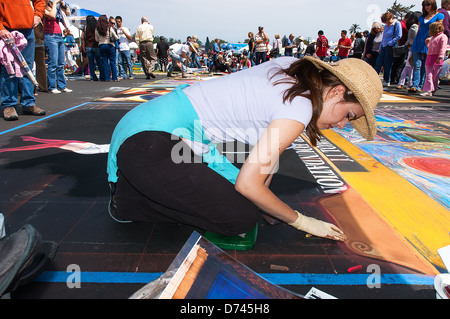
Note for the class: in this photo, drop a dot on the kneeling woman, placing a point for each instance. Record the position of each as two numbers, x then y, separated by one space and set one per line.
163 164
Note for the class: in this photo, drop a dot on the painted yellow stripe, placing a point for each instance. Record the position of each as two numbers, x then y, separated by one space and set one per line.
418 218
399 98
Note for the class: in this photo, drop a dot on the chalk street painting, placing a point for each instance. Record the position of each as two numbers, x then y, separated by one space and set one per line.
415 144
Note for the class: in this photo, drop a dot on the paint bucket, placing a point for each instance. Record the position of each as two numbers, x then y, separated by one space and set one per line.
442 286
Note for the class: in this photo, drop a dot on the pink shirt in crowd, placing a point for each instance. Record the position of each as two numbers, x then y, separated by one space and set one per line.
437 48
52 26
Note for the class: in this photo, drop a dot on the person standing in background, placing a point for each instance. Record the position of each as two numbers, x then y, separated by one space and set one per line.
276 46
54 44
437 46
372 46
391 35
90 47
399 62
144 39
261 39
419 48
358 46
18 15
251 48
106 38
124 50
289 45
321 46
39 58
344 45
301 48
69 44
162 51
445 10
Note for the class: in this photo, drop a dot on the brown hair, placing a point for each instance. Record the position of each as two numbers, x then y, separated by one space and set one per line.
311 82
385 17
436 28
103 25
433 6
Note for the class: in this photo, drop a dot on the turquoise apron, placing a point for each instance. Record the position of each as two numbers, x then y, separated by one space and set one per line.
172 113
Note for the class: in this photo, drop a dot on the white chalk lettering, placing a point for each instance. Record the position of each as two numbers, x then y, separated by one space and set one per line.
327 179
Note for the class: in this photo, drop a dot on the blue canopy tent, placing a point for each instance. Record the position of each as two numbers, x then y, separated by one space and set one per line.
235 48
86 12
78 17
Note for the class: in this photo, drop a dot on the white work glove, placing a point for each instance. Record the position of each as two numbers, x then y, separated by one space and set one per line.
318 228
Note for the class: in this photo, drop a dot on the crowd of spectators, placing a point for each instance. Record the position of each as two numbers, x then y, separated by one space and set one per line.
411 53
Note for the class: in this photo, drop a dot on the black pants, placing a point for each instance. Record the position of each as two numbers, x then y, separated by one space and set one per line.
153 188
397 68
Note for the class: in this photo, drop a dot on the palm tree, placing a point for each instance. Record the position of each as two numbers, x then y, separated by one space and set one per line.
354 28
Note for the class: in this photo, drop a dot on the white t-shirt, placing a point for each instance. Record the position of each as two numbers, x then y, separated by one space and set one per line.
241 105
179 48
123 40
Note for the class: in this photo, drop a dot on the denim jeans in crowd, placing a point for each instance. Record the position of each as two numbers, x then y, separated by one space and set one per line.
108 54
94 57
195 61
125 64
252 58
10 85
54 43
419 69
385 60
261 57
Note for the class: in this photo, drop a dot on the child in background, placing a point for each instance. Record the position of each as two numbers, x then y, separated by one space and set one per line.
437 45
70 45
407 72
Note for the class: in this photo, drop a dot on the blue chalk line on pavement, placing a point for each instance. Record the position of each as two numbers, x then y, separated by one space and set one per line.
43 118
275 278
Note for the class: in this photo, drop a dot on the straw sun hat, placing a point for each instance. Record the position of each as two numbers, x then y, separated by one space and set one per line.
194 46
360 78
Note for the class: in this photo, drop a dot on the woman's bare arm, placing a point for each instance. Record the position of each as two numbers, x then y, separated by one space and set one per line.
256 172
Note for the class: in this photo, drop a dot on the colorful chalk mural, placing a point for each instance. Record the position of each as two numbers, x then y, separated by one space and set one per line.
415 144
412 142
